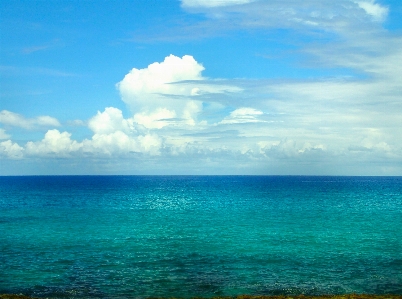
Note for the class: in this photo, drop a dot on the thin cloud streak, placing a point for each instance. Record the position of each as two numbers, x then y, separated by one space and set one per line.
9 70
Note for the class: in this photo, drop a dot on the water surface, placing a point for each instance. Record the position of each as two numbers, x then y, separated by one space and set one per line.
186 236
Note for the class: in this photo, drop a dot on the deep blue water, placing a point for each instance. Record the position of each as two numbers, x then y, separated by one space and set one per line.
187 236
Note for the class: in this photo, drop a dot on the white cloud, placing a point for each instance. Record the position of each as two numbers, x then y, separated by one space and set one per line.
212 3
109 121
170 92
16 120
153 87
54 143
3 134
114 136
340 16
151 143
60 145
242 115
376 11
307 17
190 112
113 143
158 119
291 149
11 150
374 139
120 144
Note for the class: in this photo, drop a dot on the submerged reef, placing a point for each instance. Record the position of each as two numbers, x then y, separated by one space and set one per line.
348 296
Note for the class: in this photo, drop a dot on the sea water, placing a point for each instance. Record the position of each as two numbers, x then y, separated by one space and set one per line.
189 236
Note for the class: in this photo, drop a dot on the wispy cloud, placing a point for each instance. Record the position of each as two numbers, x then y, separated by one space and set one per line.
306 17
324 14
378 12
43 47
9 70
12 119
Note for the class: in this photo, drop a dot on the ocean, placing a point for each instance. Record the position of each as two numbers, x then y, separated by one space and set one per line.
199 236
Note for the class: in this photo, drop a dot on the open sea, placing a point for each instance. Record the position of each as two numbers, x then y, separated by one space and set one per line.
193 236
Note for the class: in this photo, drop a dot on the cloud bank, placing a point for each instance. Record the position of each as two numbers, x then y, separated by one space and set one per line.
307 124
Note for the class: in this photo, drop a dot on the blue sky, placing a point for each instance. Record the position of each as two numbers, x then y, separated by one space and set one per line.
201 87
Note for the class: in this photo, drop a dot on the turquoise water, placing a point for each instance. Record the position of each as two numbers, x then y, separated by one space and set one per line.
186 236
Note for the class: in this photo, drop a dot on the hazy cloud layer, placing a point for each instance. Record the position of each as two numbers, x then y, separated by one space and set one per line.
309 16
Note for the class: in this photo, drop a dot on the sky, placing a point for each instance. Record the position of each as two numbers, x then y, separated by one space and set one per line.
194 87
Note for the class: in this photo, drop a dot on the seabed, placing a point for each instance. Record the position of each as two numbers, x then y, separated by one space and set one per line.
348 296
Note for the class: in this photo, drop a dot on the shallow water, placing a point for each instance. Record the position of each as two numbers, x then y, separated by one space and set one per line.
186 236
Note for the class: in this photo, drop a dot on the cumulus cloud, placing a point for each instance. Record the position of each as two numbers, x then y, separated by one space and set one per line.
120 144
11 150
109 121
54 143
114 136
150 143
154 87
170 92
16 120
287 148
114 143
